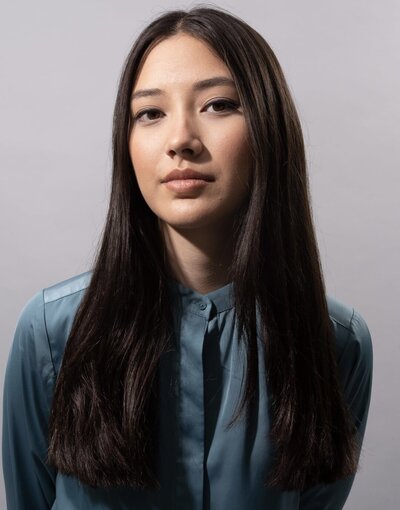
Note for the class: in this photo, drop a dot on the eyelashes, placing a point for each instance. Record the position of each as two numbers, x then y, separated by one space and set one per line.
228 106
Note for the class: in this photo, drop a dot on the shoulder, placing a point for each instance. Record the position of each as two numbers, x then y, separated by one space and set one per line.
30 325
66 288
61 302
46 319
65 292
353 338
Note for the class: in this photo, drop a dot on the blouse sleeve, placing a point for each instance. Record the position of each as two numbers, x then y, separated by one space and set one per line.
28 386
355 366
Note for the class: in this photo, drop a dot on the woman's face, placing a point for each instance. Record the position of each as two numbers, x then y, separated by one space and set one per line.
185 124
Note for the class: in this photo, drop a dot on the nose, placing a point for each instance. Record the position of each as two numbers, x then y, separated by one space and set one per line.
184 139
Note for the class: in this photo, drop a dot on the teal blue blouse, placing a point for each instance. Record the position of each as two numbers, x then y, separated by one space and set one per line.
201 465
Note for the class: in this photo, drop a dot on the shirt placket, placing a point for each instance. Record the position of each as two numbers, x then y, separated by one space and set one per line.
190 461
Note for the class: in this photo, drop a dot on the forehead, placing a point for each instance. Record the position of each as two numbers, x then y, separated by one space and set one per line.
180 58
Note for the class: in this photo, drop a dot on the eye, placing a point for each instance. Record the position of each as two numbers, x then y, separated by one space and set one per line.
223 105
150 112
220 105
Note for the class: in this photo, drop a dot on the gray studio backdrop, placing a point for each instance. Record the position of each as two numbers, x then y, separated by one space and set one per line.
60 63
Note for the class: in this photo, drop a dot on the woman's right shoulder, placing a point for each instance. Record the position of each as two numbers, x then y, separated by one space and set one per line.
65 289
50 312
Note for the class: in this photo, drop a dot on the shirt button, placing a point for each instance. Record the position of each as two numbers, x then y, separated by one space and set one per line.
202 306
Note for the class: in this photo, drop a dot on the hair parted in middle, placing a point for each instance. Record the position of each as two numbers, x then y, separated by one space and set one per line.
103 430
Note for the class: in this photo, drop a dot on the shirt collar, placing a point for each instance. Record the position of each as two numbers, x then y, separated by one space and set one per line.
222 298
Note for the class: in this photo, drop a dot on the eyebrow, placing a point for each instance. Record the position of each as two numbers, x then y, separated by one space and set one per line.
197 86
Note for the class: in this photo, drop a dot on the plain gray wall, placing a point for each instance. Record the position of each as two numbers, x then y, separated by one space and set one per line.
60 64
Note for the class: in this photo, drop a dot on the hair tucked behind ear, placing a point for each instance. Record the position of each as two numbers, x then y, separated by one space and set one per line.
103 430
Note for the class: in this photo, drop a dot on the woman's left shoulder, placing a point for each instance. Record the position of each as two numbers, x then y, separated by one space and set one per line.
352 334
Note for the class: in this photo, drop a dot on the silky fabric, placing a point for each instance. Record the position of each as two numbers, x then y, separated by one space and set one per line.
202 465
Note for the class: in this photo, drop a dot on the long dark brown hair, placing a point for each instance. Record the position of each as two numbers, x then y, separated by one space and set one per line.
103 429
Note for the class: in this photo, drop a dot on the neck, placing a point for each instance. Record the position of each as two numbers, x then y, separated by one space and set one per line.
199 258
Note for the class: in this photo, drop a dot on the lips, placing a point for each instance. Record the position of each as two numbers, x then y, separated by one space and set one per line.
186 173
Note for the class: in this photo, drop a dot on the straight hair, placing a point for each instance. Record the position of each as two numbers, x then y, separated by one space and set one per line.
103 430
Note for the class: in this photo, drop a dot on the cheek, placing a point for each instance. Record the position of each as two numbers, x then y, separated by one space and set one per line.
142 157
234 152
232 141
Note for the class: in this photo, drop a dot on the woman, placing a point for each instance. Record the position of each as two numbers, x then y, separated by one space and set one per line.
199 364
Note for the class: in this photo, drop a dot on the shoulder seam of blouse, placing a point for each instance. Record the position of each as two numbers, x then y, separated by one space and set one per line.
349 327
47 335
350 330
64 295
356 318
67 287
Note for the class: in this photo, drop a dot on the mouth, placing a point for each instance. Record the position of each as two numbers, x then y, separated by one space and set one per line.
187 174
185 185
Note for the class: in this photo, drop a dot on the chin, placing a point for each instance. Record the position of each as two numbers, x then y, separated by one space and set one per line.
187 225
215 223
184 222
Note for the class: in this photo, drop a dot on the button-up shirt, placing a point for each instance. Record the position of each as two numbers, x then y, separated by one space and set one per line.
202 465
